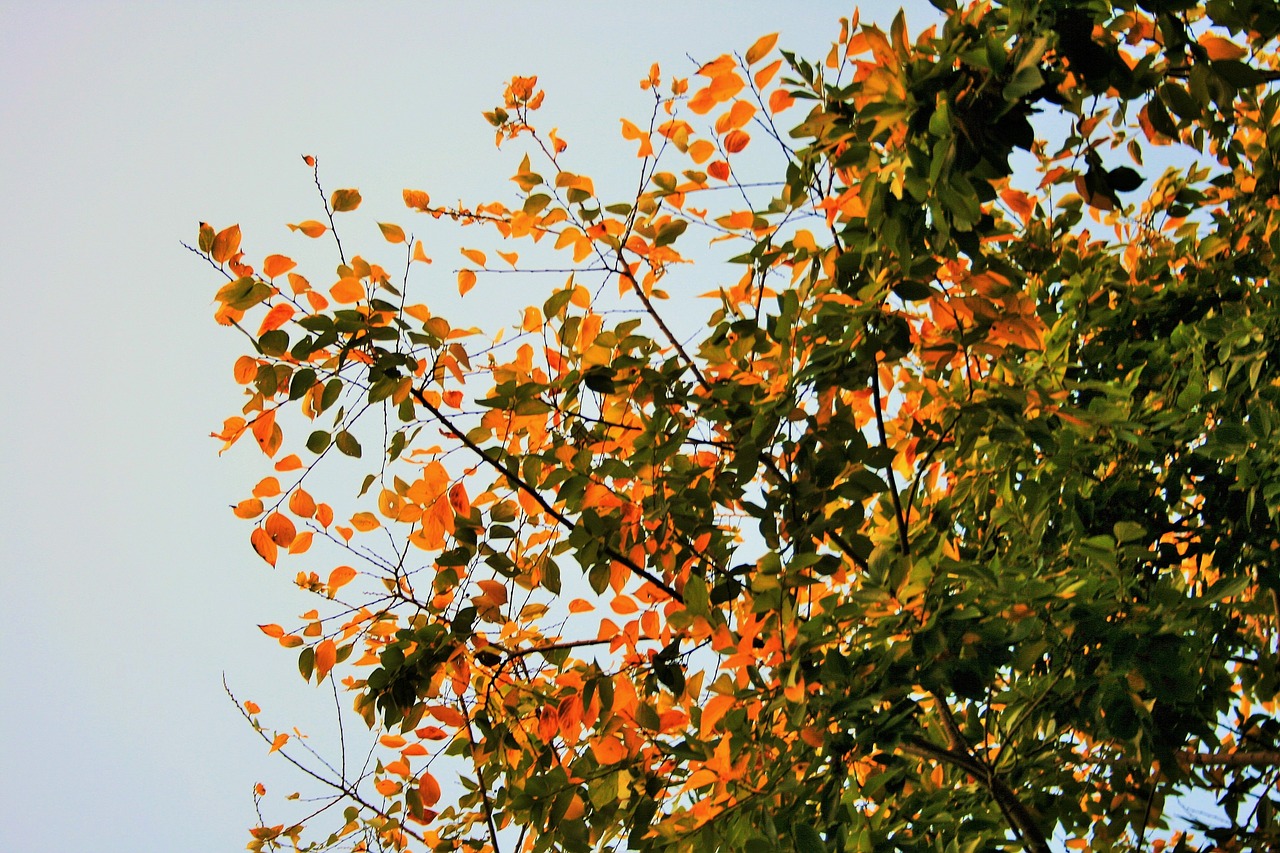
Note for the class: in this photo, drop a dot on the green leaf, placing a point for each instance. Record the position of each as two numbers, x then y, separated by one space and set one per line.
347 444
318 441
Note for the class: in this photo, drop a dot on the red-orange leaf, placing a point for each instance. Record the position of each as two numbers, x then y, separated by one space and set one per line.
326 657
276 317
289 463
736 141
1219 48
280 529
428 789
262 543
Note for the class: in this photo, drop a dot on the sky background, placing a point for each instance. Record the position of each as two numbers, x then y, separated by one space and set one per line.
129 589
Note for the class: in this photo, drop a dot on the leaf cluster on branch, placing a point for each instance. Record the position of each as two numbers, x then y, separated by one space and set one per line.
954 527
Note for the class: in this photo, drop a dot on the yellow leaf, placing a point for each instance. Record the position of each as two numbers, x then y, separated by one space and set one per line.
392 233
475 256
762 46
419 254
310 227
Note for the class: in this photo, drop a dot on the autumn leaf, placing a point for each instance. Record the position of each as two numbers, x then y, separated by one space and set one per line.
326 656
761 48
345 200
276 265
630 131
340 577
310 227
225 244
392 233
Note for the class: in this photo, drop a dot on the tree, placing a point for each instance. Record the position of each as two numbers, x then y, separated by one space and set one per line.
954 528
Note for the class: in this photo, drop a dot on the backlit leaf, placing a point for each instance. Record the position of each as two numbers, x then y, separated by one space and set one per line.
345 200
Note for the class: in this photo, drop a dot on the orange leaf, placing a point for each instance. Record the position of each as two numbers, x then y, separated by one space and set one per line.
387 787
226 244
416 199
474 255
780 100
262 543
290 641
340 577
466 281
268 487
1219 48
419 254
280 529
252 707
764 75
701 150
630 131
274 265
281 740
739 114
365 521
251 508
714 710
459 501
289 463
762 46
623 604
581 605
324 514
326 657
736 141
310 227
347 290
447 715
494 590
274 631
302 504
246 369
428 789
392 233
392 741
609 750
301 542
719 170
431 733
276 317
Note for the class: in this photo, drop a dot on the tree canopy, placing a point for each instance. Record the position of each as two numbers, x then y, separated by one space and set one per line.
952 526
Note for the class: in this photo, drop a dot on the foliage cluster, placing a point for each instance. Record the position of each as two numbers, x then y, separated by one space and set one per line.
953 529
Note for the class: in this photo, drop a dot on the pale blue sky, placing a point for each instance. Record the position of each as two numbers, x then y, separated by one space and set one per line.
128 588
